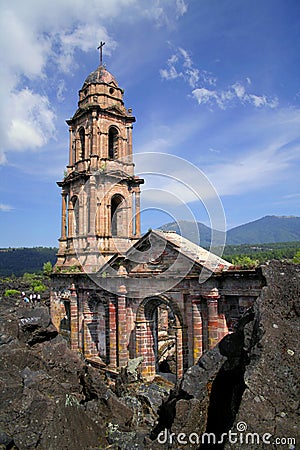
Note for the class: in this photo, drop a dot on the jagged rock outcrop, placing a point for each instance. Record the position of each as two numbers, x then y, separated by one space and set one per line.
270 403
249 382
50 399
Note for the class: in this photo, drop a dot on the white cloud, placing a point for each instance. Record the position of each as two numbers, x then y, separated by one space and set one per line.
180 65
5 208
239 90
163 12
204 84
204 95
30 121
84 36
61 88
229 97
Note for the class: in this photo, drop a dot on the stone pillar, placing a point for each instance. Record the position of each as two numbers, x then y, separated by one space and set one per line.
98 219
130 331
93 205
74 319
213 318
77 150
112 333
70 220
197 331
122 327
87 140
85 211
137 213
94 133
129 137
108 220
64 215
71 162
81 216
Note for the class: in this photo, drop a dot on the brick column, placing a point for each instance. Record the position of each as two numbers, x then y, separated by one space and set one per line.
213 318
122 327
179 352
197 331
112 333
144 348
74 319
223 329
90 334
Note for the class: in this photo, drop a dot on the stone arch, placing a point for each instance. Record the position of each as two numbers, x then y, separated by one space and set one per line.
118 218
97 328
159 326
113 142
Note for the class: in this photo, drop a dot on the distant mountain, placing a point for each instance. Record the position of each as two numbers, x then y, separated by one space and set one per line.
268 229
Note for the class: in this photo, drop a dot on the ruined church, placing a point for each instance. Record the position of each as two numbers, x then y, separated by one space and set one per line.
117 295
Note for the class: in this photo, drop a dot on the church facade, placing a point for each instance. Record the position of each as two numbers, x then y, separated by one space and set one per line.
117 295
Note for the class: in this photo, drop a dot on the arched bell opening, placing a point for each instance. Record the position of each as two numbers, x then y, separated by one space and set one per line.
118 215
82 143
113 140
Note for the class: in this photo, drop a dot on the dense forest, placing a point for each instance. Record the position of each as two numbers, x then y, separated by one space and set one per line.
262 252
17 261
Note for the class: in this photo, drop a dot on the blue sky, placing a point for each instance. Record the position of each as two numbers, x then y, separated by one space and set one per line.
215 82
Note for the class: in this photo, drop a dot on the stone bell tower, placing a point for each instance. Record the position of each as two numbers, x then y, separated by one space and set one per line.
100 193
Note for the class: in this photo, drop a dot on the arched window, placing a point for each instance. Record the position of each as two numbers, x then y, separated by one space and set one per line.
113 137
117 225
82 143
75 206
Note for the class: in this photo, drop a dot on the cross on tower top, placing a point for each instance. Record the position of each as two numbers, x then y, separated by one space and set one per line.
100 48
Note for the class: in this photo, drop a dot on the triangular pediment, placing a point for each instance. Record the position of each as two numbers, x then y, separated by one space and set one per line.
158 252
113 84
115 110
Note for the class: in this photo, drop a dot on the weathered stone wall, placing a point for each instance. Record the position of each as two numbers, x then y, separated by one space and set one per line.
113 328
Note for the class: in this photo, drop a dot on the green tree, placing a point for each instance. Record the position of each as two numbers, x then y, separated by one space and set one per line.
47 268
11 293
296 258
39 288
245 262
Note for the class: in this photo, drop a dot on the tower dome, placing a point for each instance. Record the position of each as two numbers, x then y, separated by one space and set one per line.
100 76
